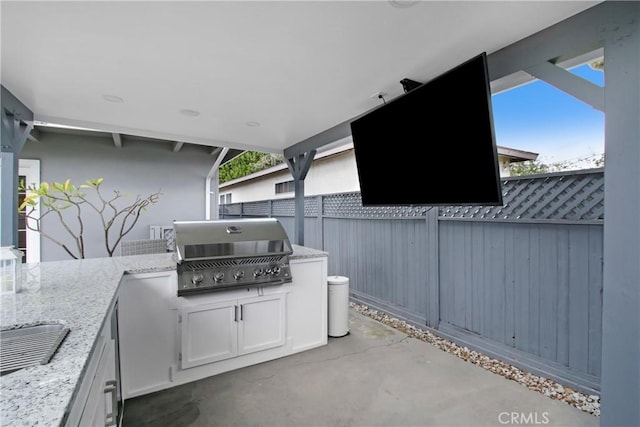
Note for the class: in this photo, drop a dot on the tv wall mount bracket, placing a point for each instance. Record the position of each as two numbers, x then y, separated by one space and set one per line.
409 85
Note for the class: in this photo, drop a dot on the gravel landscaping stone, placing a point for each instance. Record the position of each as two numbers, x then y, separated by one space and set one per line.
548 387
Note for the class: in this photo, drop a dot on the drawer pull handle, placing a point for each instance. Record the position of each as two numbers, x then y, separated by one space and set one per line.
111 386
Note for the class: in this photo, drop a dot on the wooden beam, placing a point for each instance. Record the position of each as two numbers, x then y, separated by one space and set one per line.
177 146
213 175
16 122
299 166
34 135
584 90
117 141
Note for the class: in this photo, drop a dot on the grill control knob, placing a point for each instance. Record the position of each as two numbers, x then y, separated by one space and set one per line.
258 272
218 276
197 279
239 274
275 270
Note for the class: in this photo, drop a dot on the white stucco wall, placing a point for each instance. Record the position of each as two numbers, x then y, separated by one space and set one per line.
136 168
333 174
336 173
261 188
503 164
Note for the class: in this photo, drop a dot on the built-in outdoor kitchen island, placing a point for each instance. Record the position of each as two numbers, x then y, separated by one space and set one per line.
131 334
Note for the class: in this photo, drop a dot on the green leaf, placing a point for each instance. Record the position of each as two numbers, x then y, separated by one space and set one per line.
29 200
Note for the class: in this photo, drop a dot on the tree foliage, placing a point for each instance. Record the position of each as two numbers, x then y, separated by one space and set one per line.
247 163
532 167
65 201
529 167
597 64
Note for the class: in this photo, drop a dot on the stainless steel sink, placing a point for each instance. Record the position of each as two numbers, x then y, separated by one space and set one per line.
27 345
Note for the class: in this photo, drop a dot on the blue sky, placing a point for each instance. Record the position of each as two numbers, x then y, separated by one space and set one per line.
540 118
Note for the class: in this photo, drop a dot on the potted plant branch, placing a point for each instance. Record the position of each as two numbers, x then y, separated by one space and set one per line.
66 201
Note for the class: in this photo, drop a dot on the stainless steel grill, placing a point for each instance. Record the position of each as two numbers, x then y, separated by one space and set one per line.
222 254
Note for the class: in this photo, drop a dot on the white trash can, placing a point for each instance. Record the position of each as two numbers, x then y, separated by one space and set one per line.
338 306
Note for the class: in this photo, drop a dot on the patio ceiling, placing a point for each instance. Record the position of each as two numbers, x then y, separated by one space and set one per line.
244 75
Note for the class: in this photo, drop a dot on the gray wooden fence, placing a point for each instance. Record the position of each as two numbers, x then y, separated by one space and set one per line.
520 282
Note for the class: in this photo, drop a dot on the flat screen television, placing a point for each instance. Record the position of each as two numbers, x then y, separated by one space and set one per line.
434 145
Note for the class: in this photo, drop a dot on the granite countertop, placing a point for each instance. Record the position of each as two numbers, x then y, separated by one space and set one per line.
78 294
305 252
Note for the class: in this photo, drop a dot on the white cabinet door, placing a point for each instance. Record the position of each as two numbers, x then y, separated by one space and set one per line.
261 324
97 402
101 408
307 304
217 331
208 333
147 328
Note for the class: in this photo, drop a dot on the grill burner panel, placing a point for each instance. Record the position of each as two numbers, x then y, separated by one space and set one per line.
200 276
223 254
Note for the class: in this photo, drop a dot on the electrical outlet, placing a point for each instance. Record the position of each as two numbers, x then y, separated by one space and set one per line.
378 95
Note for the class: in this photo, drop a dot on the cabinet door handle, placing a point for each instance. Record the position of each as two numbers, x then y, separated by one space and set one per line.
111 386
241 311
235 313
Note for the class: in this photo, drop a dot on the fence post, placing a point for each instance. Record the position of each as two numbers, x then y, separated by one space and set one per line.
320 221
433 258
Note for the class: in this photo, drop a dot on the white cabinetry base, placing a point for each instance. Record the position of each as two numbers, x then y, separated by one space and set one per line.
168 340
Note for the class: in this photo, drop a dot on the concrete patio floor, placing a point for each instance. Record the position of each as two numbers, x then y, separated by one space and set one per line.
374 376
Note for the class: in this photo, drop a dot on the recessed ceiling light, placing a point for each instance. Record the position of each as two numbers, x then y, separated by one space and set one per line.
252 124
190 113
112 98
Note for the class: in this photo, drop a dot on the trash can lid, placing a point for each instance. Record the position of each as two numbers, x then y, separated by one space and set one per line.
337 280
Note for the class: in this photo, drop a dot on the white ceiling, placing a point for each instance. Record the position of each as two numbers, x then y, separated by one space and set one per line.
295 67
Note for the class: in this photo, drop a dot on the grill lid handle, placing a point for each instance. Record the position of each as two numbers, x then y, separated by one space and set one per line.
234 229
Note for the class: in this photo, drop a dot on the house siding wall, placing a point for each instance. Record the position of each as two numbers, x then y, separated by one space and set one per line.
262 188
336 173
332 174
138 167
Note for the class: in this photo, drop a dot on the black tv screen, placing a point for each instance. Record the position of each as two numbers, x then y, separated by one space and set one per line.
434 145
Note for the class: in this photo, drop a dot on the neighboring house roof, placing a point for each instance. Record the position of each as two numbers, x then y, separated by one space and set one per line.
515 155
511 154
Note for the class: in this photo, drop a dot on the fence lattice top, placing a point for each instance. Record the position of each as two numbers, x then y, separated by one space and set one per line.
573 195
567 196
